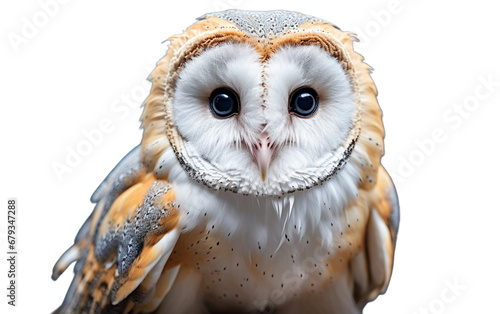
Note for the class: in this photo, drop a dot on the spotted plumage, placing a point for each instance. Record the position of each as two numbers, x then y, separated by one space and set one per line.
257 186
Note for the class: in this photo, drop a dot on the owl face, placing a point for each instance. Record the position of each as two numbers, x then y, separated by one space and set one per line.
262 114
266 126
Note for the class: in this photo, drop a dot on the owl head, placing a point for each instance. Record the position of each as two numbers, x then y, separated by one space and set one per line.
262 103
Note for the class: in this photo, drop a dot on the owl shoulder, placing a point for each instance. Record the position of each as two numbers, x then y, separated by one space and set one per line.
123 247
371 268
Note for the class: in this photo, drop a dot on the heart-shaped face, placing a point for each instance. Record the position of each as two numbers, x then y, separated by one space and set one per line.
263 125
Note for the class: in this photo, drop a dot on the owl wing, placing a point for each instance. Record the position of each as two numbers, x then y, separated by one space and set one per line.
122 248
371 269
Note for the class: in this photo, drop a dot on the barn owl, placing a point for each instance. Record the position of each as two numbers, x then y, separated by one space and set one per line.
257 186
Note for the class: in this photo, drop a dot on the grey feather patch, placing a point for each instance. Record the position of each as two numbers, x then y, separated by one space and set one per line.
392 196
84 229
128 242
263 24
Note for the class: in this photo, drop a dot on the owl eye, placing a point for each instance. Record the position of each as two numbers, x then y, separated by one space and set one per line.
304 102
224 102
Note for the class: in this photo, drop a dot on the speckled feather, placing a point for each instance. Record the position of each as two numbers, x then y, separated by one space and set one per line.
169 233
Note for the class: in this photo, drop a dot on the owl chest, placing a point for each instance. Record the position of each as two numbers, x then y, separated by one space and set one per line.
247 254
234 276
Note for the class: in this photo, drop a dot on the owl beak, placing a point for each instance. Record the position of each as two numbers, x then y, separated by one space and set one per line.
263 153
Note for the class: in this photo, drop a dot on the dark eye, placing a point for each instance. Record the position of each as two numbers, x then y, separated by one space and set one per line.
224 102
304 102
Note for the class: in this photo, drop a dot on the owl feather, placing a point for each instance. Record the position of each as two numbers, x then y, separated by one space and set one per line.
257 186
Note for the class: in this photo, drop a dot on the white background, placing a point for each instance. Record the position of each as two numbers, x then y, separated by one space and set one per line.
80 65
